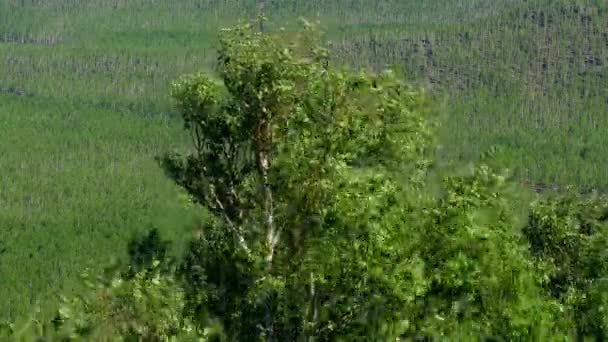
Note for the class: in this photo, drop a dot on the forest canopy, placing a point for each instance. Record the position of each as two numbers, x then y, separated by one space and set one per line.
329 218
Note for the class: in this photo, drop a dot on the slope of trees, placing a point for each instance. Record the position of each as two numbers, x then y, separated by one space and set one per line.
86 83
329 219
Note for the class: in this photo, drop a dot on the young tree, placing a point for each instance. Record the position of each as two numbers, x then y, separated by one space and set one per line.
322 228
306 171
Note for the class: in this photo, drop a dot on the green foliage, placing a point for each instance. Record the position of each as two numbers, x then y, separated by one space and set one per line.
316 179
481 278
323 227
295 159
145 307
570 234
145 250
87 83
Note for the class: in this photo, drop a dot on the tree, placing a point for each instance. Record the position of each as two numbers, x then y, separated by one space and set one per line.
322 224
482 280
298 164
569 232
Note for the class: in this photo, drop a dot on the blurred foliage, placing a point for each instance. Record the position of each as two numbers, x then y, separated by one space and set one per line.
570 234
146 307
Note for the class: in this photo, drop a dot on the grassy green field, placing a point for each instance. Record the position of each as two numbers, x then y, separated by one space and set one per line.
84 106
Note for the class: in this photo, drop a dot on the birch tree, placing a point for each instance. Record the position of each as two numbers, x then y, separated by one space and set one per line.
290 156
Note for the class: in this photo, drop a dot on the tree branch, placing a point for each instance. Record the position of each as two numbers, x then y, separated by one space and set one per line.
235 229
272 235
312 307
262 145
261 5
198 145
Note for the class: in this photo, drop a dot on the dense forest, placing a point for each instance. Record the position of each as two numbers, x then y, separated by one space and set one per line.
390 170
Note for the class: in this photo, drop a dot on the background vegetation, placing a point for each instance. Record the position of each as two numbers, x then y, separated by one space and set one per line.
84 106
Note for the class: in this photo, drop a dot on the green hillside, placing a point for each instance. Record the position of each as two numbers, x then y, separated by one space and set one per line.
528 77
84 105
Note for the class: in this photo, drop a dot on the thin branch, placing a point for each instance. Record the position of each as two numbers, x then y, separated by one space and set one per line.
312 296
263 141
230 156
198 141
261 5
235 229
233 193
272 235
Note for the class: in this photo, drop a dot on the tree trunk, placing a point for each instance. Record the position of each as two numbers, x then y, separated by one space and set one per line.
261 6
